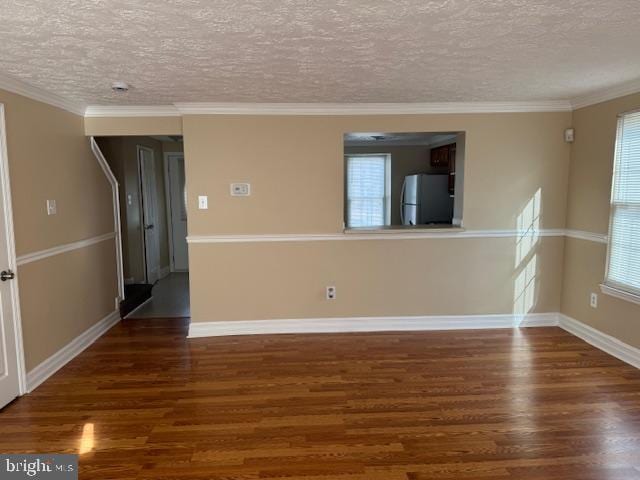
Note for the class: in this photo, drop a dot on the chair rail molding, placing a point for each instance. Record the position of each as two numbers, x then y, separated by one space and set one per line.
455 233
68 247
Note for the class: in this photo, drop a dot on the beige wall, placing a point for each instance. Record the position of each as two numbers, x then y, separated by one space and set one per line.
244 281
588 210
112 126
405 160
509 157
295 167
122 155
50 158
64 295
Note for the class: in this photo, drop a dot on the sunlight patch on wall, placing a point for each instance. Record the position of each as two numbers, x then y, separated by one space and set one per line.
525 288
528 226
526 259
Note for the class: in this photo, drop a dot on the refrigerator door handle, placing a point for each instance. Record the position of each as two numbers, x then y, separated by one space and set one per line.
404 184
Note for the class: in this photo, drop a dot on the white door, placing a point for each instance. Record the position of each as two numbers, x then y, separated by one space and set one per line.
178 212
9 334
149 213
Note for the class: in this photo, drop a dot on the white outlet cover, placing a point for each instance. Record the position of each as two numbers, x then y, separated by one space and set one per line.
203 202
52 208
593 300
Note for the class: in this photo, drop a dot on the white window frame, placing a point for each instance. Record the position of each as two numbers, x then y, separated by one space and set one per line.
387 187
609 287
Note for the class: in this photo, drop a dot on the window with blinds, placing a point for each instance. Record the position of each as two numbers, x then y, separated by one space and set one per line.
623 263
368 190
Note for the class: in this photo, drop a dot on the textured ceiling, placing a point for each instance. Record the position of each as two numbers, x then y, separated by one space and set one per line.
320 51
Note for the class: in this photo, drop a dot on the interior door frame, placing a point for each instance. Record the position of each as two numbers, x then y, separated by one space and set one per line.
5 185
167 197
167 201
143 230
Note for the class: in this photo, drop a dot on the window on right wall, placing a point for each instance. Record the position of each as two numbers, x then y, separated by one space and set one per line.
623 257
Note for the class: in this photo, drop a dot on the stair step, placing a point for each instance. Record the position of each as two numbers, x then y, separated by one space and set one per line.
134 295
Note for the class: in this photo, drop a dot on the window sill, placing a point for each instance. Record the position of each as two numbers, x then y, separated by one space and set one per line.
401 229
621 294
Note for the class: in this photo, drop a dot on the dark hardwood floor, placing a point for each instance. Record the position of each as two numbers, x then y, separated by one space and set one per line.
146 403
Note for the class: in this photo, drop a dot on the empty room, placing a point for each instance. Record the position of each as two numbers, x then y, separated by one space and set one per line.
386 240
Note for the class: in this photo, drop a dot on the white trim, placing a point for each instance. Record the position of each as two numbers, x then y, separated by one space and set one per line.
389 234
370 324
602 341
167 201
230 108
589 236
115 200
50 252
67 353
97 111
619 293
599 96
223 108
38 94
5 185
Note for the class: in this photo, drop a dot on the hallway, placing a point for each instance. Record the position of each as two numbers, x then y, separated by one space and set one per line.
170 298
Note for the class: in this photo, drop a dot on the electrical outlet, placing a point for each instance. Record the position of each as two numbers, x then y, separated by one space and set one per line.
203 202
240 189
52 209
593 300
331 293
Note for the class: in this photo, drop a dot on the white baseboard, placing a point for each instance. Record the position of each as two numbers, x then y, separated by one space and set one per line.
604 342
370 324
63 356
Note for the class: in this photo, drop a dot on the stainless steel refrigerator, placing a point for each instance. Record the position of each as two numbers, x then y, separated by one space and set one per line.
425 199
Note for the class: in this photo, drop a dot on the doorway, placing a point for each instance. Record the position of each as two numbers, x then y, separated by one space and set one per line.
12 382
150 173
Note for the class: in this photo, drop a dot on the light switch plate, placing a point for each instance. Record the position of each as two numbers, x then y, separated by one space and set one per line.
240 189
203 202
52 209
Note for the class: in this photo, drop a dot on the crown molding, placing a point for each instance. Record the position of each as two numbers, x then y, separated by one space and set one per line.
96 111
203 108
25 89
599 96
